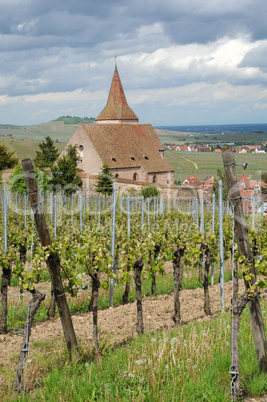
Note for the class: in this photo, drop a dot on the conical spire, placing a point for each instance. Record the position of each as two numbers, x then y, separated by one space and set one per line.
117 109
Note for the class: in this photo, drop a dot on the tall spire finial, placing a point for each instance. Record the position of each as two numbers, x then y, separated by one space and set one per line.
115 60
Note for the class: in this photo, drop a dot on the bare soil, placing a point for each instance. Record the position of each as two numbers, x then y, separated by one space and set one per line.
119 323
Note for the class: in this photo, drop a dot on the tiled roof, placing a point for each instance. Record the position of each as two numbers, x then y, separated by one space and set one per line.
128 145
209 180
247 193
192 180
250 184
244 177
117 107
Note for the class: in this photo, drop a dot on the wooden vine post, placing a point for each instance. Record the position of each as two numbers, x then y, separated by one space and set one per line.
53 262
34 304
244 249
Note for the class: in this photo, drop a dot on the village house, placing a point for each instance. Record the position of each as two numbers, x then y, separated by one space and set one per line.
192 180
240 151
259 151
204 187
251 190
251 148
203 149
133 151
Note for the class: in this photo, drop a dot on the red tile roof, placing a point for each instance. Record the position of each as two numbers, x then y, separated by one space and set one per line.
247 193
192 180
128 145
208 180
250 184
117 107
244 177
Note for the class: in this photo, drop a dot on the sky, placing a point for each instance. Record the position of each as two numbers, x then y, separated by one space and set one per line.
181 62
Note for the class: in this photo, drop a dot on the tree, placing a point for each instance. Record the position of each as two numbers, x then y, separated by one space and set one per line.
64 172
17 183
104 183
264 177
7 160
48 154
150 190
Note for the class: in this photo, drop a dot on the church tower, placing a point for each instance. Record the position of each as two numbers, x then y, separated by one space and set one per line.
117 110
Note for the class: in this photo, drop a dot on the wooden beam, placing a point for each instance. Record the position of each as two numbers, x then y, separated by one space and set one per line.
241 234
53 261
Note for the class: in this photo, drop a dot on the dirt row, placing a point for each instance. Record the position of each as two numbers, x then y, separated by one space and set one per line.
119 323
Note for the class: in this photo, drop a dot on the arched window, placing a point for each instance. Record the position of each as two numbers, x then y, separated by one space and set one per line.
80 150
135 176
117 175
154 178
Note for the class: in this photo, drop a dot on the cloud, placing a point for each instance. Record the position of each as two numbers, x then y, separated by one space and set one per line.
62 53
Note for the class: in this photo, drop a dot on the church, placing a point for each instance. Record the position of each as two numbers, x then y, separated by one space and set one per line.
132 150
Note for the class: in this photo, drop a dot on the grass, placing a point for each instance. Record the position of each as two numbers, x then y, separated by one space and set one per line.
187 363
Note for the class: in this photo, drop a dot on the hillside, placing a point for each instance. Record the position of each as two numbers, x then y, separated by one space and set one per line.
242 134
202 164
23 140
75 119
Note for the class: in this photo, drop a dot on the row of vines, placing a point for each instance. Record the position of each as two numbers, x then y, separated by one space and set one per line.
144 249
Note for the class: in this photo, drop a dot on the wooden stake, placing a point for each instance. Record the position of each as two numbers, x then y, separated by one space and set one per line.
53 262
244 249
34 304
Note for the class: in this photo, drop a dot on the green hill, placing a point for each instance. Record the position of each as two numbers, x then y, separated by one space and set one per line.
75 119
23 140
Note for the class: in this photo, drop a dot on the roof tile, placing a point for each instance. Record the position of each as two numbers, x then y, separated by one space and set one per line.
117 107
128 145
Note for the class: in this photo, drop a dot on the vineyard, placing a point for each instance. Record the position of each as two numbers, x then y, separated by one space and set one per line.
209 162
113 251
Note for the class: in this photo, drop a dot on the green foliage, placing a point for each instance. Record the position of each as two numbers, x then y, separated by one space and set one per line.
75 119
150 190
48 154
264 176
7 158
104 183
17 183
64 172
132 192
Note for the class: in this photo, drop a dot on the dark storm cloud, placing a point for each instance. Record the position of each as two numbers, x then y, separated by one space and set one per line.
256 58
92 22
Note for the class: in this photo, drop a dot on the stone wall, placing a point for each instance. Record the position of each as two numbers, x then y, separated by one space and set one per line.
128 186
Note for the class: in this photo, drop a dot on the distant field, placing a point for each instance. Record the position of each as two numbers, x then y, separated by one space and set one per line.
24 140
25 148
57 130
209 162
180 138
